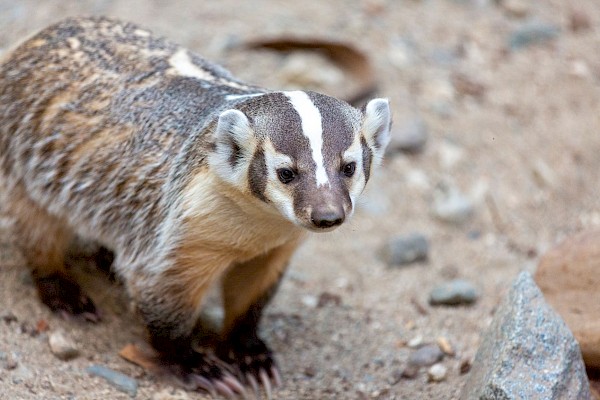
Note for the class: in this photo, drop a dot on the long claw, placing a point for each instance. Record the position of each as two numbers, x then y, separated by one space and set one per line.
235 384
224 390
266 382
254 385
91 317
203 383
276 376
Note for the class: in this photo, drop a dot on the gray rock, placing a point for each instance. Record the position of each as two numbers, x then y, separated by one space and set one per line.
532 33
120 381
409 137
527 353
450 205
426 356
455 292
406 249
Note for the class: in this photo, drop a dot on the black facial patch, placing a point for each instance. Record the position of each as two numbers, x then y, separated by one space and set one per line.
257 175
367 156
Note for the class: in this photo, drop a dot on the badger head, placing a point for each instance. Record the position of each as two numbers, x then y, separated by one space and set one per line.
304 154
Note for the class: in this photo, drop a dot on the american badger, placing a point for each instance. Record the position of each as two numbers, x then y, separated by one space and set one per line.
190 176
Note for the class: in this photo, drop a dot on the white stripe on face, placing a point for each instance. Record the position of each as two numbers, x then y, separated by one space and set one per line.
312 128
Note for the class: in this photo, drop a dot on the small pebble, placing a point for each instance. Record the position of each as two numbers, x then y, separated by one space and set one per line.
395 377
409 137
543 174
62 346
465 366
9 361
327 298
8 318
579 21
532 33
455 292
310 371
466 85
515 8
449 155
310 301
120 381
445 346
437 372
410 372
426 356
406 249
415 342
380 393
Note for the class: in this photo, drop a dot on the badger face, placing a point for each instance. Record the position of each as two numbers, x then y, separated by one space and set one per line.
307 155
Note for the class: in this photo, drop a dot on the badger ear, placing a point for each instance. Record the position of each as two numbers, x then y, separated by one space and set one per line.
234 146
233 125
376 125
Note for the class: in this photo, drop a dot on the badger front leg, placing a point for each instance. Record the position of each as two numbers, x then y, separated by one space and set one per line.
169 303
247 289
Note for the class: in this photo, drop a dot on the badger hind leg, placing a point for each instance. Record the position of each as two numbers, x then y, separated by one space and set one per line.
43 240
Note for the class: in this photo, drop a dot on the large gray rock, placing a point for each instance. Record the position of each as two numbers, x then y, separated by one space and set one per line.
527 353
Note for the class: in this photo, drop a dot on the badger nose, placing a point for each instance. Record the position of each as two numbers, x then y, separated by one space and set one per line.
327 217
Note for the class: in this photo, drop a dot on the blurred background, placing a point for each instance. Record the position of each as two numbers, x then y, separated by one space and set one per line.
495 158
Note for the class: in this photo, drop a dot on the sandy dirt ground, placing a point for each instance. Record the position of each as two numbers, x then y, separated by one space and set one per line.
524 147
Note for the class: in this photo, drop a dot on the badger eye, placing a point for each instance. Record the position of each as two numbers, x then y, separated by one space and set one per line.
349 169
285 175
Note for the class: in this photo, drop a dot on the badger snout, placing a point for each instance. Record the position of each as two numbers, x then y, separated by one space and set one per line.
328 216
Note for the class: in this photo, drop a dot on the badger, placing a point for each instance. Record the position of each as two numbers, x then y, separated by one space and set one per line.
190 176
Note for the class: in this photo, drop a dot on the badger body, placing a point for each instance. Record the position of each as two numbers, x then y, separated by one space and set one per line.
189 175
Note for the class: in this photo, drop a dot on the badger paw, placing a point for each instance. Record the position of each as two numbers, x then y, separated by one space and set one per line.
254 363
205 372
64 296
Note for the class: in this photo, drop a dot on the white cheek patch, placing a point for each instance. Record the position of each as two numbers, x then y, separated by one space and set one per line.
358 182
275 191
312 128
182 65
